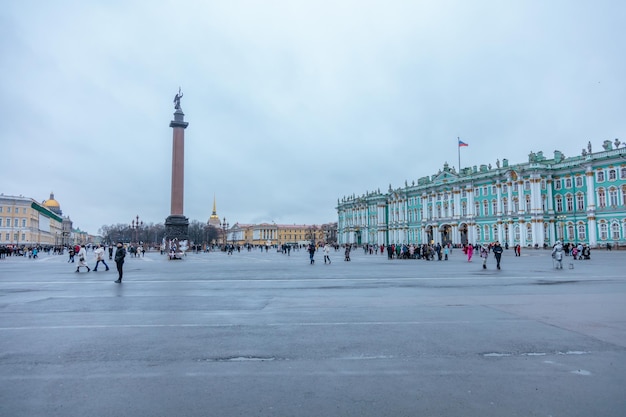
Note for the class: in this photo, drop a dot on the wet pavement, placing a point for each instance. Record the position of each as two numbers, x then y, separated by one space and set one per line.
266 334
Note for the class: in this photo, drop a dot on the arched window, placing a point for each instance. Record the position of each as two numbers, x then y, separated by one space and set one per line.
570 232
529 233
600 176
516 232
505 204
528 203
623 194
527 185
580 201
613 199
579 181
515 205
570 202
601 198
486 236
612 175
485 207
615 231
464 209
476 208
494 207
559 203
622 173
495 231
543 203
568 183
604 231
582 232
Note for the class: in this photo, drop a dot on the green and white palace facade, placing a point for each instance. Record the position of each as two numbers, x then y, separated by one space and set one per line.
534 204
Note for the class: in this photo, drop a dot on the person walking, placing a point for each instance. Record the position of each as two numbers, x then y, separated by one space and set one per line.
470 252
484 253
327 253
497 252
557 254
120 254
71 253
347 253
311 253
82 259
99 252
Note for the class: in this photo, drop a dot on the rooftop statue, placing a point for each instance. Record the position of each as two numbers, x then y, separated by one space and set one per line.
177 98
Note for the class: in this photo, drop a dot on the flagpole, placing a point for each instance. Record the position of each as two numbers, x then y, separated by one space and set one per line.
458 149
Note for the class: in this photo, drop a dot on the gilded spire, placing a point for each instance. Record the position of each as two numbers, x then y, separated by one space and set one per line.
214 220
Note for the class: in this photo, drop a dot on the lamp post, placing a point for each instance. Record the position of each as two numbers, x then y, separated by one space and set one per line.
135 225
224 229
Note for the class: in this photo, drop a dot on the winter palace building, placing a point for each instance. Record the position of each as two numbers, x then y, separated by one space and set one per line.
534 204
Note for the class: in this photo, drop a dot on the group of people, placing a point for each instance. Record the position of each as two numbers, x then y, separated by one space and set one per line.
80 251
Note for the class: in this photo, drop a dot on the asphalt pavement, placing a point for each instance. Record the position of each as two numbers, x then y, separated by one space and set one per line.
266 334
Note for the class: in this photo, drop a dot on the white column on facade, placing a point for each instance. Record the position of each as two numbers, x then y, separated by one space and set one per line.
509 193
550 205
457 204
498 200
522 233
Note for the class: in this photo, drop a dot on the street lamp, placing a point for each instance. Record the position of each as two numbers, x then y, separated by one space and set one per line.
224 229
135 225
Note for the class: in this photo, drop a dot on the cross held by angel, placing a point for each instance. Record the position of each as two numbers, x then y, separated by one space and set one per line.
177 98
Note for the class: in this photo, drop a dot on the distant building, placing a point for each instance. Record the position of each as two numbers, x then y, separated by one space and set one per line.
278 234
534 203
25 222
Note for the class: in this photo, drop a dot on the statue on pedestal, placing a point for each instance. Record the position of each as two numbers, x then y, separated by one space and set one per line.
177 98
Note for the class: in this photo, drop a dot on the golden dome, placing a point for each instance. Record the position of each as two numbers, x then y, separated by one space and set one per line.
51 202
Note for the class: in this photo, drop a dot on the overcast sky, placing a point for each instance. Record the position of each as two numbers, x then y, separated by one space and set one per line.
292 104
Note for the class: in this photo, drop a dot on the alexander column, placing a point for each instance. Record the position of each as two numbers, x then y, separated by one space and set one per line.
176 224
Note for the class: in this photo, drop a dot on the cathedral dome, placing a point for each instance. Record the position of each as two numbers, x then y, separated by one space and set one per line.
52 204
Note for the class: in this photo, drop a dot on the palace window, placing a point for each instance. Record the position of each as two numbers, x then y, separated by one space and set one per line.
505 188
16 222
600 176
580 201
527 185
604 231
464 209
582 233
515 187
515 205
570 202
516 232
494 207
612 175
543 184
568 183
622 175
557 184
613 199
615 231
486 236
579 181
559 203
505 205
624 194
601 198
494 190
485 191
23 222
528 203
476 208
570 232
485 207
529 233
463 192
0 222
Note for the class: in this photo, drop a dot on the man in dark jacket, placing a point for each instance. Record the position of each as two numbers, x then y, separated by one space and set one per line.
497 252
120 254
